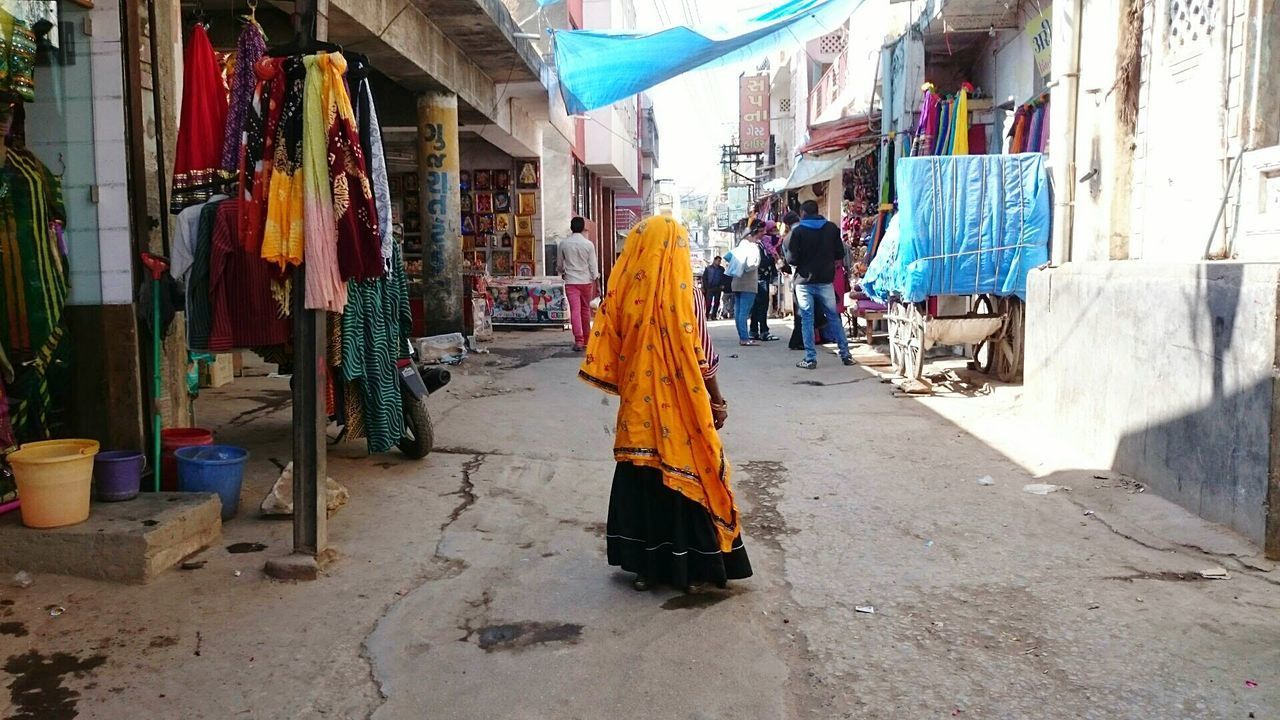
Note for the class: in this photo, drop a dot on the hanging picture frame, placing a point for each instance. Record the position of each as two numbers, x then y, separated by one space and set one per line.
396 184
524 249
468 205
411 182
464 181
484 203
527 203
524 226
501 262
524 269
506 240
501 179
527 176
502 201
468 224
484 224
482 180
502 223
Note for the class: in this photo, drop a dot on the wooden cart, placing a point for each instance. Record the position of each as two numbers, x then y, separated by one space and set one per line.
992 329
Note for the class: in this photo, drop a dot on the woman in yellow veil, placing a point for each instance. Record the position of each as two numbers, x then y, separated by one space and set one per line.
672 516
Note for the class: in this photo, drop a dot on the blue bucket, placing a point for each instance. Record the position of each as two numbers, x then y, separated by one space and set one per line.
213 468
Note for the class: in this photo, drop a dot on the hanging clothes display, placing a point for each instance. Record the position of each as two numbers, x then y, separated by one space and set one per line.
242 310
17 59
283 230
1030 129
375 326
197 167
371 145
325 288
35 290
359 239
250 48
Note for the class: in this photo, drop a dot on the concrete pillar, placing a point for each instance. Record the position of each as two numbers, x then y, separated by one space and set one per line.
441 200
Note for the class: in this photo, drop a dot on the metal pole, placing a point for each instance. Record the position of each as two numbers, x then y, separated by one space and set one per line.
310 381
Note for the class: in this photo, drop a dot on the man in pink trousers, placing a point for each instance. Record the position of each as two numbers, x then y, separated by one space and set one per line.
580 269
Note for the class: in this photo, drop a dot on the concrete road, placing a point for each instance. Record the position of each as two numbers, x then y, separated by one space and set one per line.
474 584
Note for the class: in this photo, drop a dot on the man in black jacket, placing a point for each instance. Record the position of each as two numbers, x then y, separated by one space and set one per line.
814 249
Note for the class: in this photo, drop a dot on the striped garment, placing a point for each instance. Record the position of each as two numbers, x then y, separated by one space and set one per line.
243 312
325 288
33 292
199 311
375 326
712 366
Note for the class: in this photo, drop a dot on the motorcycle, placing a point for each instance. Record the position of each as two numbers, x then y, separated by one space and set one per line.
417 382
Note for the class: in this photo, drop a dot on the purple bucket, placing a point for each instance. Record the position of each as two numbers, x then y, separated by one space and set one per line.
117 475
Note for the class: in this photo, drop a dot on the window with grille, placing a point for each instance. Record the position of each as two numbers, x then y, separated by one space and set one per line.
1191 23
784 105
833 43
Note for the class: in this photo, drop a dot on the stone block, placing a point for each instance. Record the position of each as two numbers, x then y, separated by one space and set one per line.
129 542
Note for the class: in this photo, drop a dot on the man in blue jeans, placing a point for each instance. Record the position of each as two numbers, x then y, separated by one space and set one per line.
814 248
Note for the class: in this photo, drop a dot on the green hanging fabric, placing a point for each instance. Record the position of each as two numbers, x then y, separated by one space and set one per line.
375 327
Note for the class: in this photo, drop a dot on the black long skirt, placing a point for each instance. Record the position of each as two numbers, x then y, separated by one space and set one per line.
660 534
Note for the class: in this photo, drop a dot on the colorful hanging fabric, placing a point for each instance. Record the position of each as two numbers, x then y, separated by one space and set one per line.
254 172
35 287
250 47
1018 142
199 307
1042 143
943 144
198 159
17 59
242 309
371 144
375 326
1033 135
282 238
355 215
927 127
325 289
960 135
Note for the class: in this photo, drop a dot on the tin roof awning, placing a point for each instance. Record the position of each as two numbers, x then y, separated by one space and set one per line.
840 134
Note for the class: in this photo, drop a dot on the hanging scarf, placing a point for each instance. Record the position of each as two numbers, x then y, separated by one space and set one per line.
259 148
645 348
375 325
960 135
282 236
198 158
355 215
1019 142
325 289
944 128
250 48
371 144
1042 142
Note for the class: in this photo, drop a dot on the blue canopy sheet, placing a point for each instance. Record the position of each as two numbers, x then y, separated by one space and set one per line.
600 67
966 225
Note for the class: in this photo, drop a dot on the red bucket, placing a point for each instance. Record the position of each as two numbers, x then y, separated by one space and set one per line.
170 440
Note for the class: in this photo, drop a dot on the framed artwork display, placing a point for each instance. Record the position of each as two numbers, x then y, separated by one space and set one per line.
464 181
524 225
482 180
502 201
468 224
524 249
411 204
501 262
502 223
506 240
411 182
527 203
484 203
524 269
396 184
468 205
501 179
484 224
527 175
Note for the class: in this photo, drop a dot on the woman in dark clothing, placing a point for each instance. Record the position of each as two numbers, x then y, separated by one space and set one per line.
672 516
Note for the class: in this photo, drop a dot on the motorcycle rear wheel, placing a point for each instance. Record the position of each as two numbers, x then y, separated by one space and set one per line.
419 434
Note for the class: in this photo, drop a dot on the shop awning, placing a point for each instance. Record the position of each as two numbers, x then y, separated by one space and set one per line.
839 134
775 185
812 169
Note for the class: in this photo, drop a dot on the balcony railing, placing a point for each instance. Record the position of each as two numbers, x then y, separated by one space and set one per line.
829 87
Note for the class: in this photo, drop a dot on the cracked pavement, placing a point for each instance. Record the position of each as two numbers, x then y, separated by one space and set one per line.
474 585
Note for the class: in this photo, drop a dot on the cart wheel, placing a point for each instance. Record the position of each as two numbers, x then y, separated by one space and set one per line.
983 354
895 335
1009 353
913 347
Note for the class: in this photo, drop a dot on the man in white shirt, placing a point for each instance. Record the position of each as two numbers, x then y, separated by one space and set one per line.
580 270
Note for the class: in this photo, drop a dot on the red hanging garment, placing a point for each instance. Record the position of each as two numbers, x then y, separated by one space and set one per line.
198 158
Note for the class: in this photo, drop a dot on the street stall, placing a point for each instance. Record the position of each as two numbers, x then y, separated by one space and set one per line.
968 227
527 302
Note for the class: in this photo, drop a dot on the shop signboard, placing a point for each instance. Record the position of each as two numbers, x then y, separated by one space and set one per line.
753 114
528 301
1039 33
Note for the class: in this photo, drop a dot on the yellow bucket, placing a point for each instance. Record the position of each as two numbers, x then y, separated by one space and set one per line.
54 478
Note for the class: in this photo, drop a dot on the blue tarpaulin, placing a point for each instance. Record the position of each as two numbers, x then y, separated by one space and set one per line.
600 67
966 225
